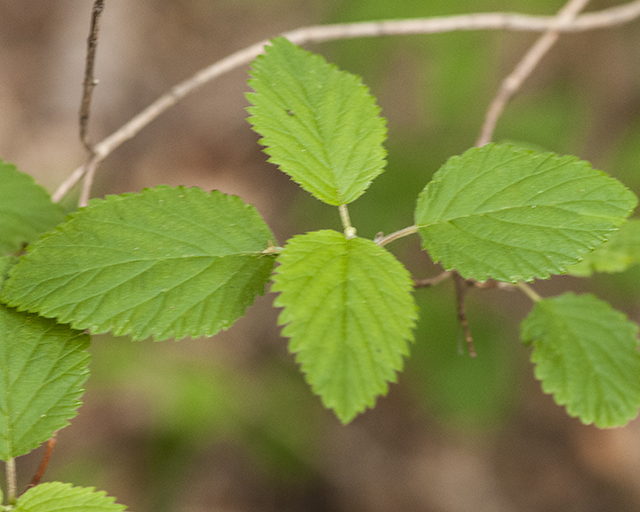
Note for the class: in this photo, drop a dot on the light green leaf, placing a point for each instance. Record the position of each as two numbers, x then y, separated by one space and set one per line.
163 263
506 214
43 366
59 497
26 210
349 311
620 252
586 355
320 125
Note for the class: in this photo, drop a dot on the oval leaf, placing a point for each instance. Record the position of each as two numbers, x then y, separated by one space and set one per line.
320 125
349 312
26 210
586 355
58 497
514 215
43 366
163 263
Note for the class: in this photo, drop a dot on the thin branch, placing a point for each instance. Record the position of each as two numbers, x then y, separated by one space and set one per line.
89 81
90 171
489 285
528 291
461 292
431 281
11 480
525 67
483 21
398 234
349 230
45 462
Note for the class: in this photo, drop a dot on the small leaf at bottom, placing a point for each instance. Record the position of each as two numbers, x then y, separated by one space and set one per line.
586 355
59 497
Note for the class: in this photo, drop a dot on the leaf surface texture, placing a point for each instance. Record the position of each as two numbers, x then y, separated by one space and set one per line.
59 497
43 366
349 311
319 125
26 210
511 215
586 355
163 263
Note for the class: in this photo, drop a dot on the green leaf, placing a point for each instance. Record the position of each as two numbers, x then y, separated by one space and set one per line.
620 252
320 125
349 311
26 210
506 214
59 497
163 263
586 355
43 366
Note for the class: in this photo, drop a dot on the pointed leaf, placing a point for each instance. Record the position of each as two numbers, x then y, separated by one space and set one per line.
163 263
59 497
26 210
349 312
510 215
43 366
586 355
320 125
620 252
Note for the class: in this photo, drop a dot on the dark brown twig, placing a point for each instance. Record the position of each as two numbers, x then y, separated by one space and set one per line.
43 465
89 81
461 291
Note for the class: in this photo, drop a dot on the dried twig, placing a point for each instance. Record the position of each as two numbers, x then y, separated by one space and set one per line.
525 67
45 462
431 281
89 81
461 292
483 21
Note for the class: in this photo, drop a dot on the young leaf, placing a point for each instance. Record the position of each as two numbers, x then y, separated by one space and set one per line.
26 210
349 312
43 366
58 497
506 214
619 253
320 125
163 263
586 355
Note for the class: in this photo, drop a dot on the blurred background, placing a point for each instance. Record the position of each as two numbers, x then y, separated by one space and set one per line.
228 423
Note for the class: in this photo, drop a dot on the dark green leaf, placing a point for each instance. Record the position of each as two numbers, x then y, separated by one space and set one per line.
26 210
586 355
163 263
511 215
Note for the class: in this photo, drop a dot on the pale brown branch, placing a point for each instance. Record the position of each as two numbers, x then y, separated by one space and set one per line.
431 281
89 81
524 68
482 21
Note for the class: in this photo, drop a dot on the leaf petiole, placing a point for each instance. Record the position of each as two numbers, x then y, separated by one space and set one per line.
398 234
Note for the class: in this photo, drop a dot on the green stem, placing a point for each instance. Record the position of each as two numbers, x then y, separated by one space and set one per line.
528 291
11 480
398 234
349 230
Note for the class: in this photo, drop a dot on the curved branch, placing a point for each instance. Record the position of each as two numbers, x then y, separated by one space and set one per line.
482 21
523 70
